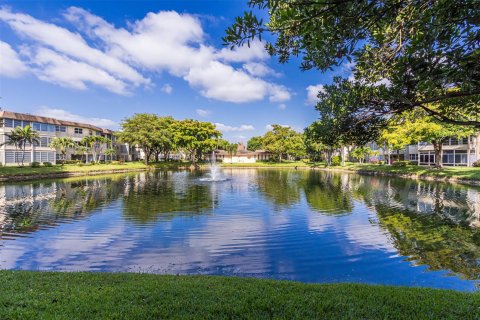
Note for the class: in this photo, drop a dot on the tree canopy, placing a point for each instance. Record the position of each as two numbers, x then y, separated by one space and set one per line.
196 137
283 141
407 54
255 143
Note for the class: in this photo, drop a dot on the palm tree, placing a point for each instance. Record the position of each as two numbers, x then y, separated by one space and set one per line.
232 149
62 144
13 139
19 137
95 145
109 152
82 150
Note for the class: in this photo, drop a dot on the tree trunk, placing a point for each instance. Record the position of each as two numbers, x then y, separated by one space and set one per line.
23 154
165 156
343 156
438 148
329 157
280 157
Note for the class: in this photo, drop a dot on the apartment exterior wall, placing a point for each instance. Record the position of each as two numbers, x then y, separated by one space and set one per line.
47 128
456 152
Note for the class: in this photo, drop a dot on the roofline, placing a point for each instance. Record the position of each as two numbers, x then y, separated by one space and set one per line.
58 122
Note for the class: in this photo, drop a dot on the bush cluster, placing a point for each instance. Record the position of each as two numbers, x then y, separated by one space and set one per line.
47 164
401 163
336 160
71 161
476 164
35 164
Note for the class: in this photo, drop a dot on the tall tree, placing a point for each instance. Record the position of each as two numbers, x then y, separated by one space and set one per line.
63 144
142 129
96 145
195 137
428 129
255 143
164 136
407 54
283 141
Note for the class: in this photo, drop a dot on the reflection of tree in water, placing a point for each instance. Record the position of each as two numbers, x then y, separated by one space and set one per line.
432 241
29 206
434 224
281 187
328 193
165 194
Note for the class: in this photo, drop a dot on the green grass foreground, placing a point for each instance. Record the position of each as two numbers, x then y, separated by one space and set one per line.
55 295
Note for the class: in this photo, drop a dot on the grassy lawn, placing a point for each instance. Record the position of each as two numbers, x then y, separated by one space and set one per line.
466 173
269 164
50 295
26 170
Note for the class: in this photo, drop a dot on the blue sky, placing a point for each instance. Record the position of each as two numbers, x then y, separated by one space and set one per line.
102 61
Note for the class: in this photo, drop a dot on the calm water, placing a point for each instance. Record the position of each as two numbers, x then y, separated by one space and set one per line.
300 225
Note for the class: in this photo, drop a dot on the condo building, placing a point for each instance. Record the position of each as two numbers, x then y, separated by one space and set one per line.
456 152
49 128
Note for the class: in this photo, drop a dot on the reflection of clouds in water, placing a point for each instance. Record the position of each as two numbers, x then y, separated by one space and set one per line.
71 247
363 232
285 224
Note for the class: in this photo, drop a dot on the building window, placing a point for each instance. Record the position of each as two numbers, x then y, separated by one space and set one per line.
8 123
60 128
427 158
455 158
414 157
44 142
78 131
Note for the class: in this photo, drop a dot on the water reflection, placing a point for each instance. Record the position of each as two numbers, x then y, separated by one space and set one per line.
301 225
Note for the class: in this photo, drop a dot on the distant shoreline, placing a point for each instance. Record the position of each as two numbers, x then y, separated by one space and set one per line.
467 176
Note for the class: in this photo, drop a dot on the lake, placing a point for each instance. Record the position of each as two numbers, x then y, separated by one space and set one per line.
305 225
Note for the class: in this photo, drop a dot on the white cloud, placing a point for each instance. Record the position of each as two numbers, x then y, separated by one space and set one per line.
68 116
114 58
11 65
203 113
278 93
226 128
312 93
222 82
160 41
258 69
256 51
72 44
282 106
55 68
166 88
269 127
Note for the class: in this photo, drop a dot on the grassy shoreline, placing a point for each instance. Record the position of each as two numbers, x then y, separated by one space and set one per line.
33 295
467 175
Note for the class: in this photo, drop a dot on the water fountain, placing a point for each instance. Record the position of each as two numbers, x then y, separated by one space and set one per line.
215 173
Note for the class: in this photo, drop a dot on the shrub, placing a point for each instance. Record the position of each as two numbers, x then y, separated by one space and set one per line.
71 161
374 161
381 162
35 164
47 164
401 163
115 162
336 160
476 164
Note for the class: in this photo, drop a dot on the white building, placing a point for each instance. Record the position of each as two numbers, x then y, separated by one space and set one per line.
47 128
